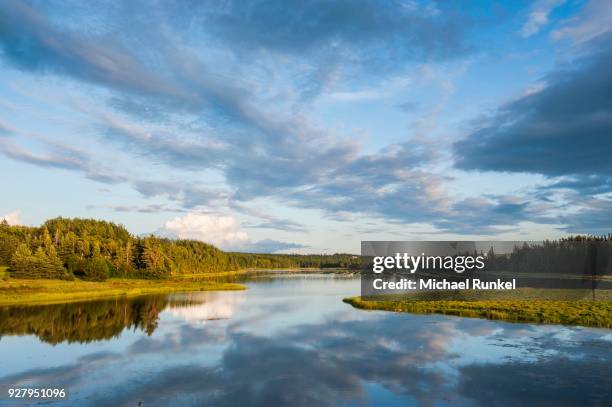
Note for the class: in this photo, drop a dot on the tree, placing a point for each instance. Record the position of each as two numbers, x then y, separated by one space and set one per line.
153 258
47 264
8 245
22 261
96 269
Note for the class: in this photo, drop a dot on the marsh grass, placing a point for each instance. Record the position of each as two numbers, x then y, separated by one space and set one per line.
25 292
526 306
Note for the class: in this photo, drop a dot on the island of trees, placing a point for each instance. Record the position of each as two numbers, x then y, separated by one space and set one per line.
95 250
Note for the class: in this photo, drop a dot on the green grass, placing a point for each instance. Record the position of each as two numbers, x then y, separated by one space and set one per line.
527 306
25 292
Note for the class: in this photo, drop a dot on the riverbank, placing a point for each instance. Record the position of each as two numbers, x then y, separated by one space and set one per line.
35 292
41 291
583 312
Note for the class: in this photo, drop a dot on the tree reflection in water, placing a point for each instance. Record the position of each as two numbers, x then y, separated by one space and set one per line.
85 322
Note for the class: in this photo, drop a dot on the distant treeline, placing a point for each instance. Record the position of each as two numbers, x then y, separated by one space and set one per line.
95 250
587 255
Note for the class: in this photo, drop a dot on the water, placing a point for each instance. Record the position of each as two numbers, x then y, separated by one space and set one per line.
292 341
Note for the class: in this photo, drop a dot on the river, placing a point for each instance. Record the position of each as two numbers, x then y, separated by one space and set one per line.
290 340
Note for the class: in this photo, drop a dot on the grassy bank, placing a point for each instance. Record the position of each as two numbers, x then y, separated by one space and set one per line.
584 312
41 291
25 292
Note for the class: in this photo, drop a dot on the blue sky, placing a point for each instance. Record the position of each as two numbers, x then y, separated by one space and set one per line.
309 126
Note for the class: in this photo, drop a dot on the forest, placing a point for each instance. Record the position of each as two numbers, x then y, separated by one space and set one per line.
88 249
582 255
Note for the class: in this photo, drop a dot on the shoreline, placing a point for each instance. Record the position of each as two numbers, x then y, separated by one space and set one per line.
588 313
44 292
26 292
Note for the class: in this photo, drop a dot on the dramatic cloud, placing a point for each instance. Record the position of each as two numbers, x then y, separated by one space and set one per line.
565 129
562 130
171 102
216 107
187 85
393 183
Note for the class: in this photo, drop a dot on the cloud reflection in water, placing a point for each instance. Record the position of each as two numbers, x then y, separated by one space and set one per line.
258 357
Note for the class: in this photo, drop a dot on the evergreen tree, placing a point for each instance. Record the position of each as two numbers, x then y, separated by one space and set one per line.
22 261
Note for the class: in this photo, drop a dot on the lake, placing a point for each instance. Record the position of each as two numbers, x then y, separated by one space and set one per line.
290 340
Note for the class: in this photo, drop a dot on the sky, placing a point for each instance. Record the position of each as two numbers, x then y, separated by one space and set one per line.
307 127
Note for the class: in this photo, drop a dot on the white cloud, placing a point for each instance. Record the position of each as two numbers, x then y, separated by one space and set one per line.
222 231
13 218
538 16
594 19
219 230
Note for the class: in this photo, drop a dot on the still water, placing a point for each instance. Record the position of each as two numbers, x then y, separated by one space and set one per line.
292 341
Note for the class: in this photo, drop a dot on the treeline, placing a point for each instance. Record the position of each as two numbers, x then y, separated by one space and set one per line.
586 255
95 250
306 261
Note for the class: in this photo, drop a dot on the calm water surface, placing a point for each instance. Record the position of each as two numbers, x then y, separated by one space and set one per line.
291 341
